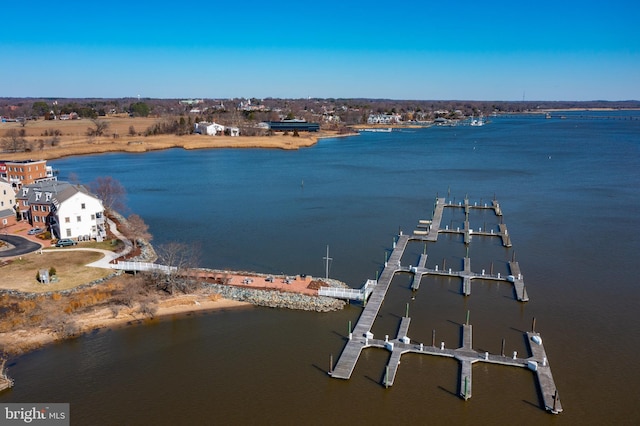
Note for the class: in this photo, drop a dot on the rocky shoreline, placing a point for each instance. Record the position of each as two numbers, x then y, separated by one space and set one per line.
278 299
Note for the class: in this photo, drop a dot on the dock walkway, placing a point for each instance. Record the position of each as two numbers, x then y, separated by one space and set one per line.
362 331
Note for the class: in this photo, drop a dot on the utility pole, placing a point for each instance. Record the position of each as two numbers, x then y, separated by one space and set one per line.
327 259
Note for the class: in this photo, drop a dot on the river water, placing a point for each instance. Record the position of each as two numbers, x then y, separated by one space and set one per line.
569 193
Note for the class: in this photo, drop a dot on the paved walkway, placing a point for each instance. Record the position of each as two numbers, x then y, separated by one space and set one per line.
109 255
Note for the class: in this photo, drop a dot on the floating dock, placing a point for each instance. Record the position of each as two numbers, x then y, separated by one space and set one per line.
362 337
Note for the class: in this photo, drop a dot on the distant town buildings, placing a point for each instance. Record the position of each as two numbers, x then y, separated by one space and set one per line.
191 101
384 119
293 125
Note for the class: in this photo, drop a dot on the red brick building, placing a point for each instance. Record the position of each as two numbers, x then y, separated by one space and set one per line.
19 173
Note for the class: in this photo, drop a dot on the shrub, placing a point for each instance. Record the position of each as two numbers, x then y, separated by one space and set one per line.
52 271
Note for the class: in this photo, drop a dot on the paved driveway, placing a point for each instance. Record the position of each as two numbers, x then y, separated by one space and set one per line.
21 246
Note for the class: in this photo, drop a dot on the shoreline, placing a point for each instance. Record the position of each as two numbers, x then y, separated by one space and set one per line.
213 296
75 144
22 341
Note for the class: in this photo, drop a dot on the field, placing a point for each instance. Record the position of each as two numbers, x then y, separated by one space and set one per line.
20 273
73 139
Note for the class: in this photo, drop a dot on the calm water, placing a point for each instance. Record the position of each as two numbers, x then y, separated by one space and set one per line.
569 193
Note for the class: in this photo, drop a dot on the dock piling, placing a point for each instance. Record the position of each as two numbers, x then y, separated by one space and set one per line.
386 377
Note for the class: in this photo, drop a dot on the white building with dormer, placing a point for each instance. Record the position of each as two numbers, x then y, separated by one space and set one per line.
66 210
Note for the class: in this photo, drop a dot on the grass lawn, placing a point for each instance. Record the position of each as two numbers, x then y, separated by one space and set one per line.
70 267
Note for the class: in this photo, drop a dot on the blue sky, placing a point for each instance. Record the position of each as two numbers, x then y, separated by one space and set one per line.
495 50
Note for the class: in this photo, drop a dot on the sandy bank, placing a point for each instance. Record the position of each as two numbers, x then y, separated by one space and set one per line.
20 341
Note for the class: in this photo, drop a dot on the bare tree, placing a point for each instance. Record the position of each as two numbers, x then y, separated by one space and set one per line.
133 291
183 257
110 191
100 128
14 140
136 229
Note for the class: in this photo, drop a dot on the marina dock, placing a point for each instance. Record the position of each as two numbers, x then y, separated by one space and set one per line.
362 338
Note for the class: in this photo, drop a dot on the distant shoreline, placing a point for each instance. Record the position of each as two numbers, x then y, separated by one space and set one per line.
71 139
540 111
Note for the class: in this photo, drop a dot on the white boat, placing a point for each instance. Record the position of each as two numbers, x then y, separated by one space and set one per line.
385 130
478 122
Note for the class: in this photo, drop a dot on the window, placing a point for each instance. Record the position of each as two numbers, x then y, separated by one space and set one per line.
67 220
68 232
82 206
93 217
79 218
4 221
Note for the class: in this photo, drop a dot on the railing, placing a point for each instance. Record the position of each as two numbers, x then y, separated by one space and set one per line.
349 293
143 266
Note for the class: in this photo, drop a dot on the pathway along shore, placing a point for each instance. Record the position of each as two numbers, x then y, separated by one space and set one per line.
217 290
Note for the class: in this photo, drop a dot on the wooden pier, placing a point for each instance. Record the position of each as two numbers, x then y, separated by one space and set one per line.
362 337
518 282
547 386
465 354
467 276
362 331
434 229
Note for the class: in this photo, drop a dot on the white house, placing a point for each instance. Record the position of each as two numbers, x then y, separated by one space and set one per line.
68 211
7 196
210 129
384 118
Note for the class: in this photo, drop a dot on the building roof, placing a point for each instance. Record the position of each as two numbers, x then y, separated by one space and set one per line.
51 192
293 125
